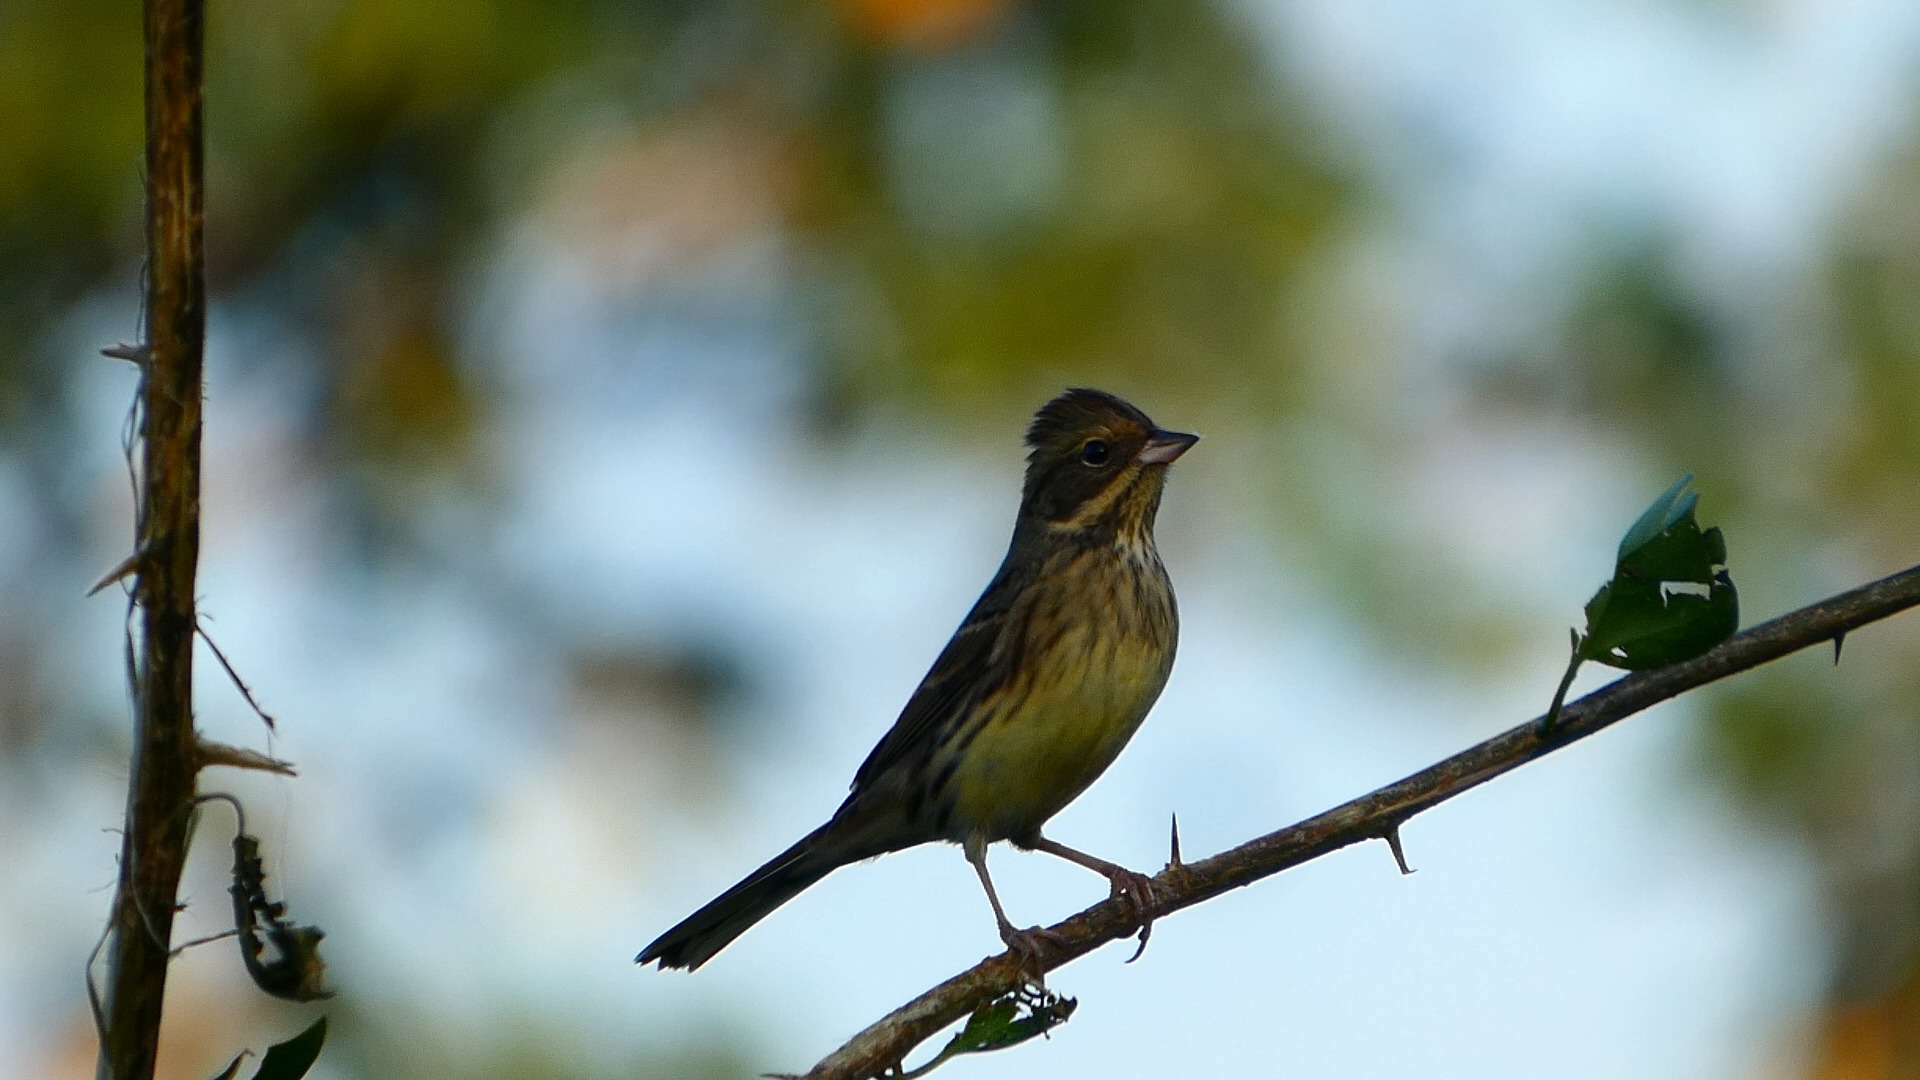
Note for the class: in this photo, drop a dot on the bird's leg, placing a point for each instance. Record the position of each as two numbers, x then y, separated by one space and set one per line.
1133 888
1027 944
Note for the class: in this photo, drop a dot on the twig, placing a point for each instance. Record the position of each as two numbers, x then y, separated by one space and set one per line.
208 940
167 528
1552 716
886 1043
238 683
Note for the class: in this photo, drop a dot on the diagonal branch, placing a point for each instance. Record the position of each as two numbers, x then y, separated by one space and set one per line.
1377 815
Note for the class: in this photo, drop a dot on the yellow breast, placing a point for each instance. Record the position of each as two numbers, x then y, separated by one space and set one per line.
1096 660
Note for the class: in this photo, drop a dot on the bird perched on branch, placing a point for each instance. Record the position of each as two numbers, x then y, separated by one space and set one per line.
1043 684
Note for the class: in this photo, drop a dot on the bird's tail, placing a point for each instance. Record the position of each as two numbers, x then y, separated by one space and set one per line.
733 912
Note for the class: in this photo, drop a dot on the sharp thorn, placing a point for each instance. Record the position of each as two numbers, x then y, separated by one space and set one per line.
1174 859
136 353
120 572
1392 837
207 753
1838 640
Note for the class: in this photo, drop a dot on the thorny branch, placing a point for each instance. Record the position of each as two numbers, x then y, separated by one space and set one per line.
167 543
1376 815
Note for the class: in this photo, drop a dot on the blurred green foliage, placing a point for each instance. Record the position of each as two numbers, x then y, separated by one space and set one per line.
1827 751
365 156
400 1041
979 197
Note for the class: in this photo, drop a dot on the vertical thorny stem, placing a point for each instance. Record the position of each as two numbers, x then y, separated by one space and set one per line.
167 530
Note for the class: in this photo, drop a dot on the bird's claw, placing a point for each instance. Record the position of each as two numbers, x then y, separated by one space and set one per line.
1031 946
1135 890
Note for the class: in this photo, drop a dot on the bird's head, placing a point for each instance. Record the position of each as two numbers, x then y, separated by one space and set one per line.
1095 462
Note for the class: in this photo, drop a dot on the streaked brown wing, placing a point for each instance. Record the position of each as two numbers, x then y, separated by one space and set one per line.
967 670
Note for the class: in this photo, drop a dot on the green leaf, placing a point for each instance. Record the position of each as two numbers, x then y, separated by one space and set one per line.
1658 517
1635 625
290 1060
1671 597
989 1028
1010 1021
1003 1022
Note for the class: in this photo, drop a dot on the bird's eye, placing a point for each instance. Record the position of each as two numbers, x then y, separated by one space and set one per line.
1095 452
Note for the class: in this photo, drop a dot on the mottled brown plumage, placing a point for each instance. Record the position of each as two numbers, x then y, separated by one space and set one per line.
1038 691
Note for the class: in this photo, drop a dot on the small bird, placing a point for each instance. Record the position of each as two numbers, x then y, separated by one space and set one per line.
1036 694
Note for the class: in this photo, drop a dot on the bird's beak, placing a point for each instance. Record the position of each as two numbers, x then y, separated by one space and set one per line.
1163 446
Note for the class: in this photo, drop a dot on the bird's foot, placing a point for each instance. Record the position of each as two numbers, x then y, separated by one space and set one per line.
1031 946
1135 890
